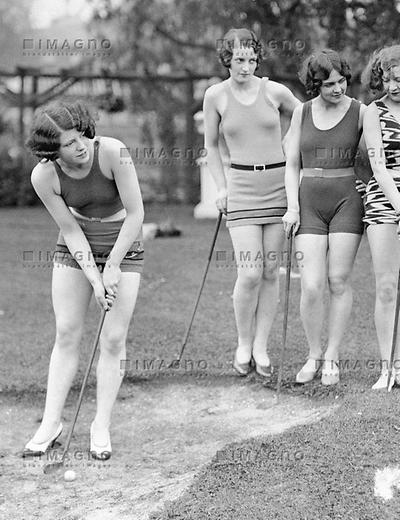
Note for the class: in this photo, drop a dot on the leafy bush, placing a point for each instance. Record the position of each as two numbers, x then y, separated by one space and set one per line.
16 163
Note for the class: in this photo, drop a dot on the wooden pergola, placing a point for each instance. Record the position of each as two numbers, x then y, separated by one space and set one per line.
29 95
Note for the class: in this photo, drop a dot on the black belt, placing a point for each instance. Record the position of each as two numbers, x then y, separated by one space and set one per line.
257 167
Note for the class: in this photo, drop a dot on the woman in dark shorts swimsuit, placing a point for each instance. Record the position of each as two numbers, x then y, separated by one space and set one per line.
96 202
326 209
382 202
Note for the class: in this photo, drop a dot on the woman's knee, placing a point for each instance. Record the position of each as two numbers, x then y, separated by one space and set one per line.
386 289
113 340
312 291
68 333
250 279
271 272
338 285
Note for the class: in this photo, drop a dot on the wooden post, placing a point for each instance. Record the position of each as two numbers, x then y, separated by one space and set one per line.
190 153
35 81
21 107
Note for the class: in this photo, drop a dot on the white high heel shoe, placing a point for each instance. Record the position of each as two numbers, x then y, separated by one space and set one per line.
100 452
36 449
382 382
330 374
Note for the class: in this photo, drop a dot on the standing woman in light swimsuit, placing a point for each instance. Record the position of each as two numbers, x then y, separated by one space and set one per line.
96 202
325 208
247 110
382 202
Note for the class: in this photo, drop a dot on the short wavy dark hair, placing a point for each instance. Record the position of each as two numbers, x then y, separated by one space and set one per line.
245 37
50 120
381 61
317 68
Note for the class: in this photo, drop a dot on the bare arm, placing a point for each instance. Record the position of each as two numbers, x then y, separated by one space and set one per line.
42 179
362 165
212 121
292 172
363 108
286 102
373 140
129 191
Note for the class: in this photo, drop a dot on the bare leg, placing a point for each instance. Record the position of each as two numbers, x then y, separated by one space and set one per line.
112 351
71 294
341 255
313 249
385 251
268 297
247 244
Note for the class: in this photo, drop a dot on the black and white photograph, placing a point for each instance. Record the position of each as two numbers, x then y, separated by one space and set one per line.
200 259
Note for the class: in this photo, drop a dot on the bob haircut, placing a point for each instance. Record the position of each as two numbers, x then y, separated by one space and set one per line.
317 68
245 38
380 62
51 120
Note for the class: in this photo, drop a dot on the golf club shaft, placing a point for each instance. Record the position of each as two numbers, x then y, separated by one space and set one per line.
89 366
285 309
189 327
395 330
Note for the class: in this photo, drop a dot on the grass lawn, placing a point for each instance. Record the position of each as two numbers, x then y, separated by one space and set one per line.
324 470
314 472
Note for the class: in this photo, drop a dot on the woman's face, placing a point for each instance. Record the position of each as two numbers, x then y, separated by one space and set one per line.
391 83
243 63
333 88
74 148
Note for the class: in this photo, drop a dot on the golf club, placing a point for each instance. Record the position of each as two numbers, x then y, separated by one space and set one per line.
390 383
186 336
285 309
50 467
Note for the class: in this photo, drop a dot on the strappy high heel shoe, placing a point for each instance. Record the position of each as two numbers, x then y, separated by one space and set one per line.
330 373
309 371
36 449
100 452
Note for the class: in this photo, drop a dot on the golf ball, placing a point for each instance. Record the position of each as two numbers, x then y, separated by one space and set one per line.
69 475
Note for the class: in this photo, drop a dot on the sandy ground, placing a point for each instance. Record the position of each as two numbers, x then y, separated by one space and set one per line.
163 433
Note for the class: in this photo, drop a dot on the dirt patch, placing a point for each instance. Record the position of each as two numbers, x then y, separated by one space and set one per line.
162 434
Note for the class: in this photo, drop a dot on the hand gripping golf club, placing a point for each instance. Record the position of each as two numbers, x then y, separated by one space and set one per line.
189 327
50 467
390 380
285 309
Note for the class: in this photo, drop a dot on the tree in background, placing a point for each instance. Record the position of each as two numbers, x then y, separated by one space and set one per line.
180 37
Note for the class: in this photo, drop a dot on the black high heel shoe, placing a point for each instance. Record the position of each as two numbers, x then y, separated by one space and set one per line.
264 371
35 449
102 452
243 369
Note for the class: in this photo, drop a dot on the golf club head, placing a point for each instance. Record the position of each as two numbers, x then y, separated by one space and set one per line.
52 467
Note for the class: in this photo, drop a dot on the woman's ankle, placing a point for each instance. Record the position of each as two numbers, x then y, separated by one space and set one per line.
46 430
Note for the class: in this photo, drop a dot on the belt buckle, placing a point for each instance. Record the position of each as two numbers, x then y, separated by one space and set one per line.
259 167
